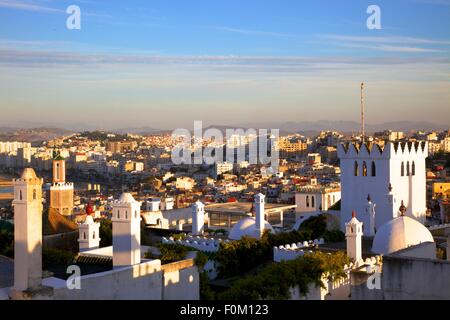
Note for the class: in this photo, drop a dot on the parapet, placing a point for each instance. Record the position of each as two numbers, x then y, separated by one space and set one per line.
383 150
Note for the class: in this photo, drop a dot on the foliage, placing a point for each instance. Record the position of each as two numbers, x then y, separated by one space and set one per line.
236 257
275 280
178 236
201 259
7 226
334 236
317 225
105 233
172 252
205 289
55 257
6 243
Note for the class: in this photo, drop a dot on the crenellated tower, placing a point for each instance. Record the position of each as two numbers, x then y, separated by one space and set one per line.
370 167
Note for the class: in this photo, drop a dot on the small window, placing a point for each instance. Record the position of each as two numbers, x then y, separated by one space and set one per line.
118 214
356 169
93 235
407 168
84 235
126 214
374 169
313 202
20 195
34 194
413 168
307 201
364 169
402 170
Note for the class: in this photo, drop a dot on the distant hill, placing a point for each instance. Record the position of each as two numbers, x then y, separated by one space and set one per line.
313 127
31 135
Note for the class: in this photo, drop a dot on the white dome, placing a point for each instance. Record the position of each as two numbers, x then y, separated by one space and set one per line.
247 227
28 174
400 233
126 198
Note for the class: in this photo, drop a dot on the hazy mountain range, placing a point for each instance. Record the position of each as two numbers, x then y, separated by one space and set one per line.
26 132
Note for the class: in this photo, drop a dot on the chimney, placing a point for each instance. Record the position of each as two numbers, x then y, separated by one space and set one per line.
198 218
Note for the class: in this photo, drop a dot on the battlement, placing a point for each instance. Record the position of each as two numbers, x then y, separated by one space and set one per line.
200 243
294 250
383 150
63 185
28 181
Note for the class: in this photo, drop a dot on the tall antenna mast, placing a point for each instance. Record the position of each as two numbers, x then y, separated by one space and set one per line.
363 134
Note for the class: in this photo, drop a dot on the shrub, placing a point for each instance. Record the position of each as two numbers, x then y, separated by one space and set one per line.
54 258
275 280
105 233
172 252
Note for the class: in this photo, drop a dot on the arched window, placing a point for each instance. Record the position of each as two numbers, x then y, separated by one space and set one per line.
20 195
57 171
364 169
307 201
407 168
402 169
313 204
84 235
126 214
34 194
93 235
413 169
118 214
356 170
374 169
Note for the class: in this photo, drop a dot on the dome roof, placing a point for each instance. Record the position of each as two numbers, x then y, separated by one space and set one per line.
28 173
400 233
246 227
126 198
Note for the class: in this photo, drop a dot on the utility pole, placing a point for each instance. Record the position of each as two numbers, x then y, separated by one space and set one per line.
363 134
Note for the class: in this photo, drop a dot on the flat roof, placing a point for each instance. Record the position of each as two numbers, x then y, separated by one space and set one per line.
246 207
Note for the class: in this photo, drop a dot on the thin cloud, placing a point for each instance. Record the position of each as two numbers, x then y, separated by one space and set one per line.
387 39
27 6
253 32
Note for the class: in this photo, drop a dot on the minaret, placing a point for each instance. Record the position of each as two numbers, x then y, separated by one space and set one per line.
370 210
198 218
61 192
89 232
259 213
353 235
27 205
126 221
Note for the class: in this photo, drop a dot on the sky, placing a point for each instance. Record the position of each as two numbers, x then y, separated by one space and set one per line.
166 63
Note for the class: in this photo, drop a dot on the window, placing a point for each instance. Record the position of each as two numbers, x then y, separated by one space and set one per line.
329 201
20 195
34 194
84 235
364 169
93 235
313 201
407 168
413 169
402 169
307 201
57 171
118 214
126 214
356 169
374 169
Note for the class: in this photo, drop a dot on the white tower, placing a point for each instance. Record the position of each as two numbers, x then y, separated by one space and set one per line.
27 231
370 211
198 218
126 220
89 234
259 213
368 168
353 235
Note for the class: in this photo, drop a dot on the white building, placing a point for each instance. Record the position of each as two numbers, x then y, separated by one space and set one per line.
371 168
